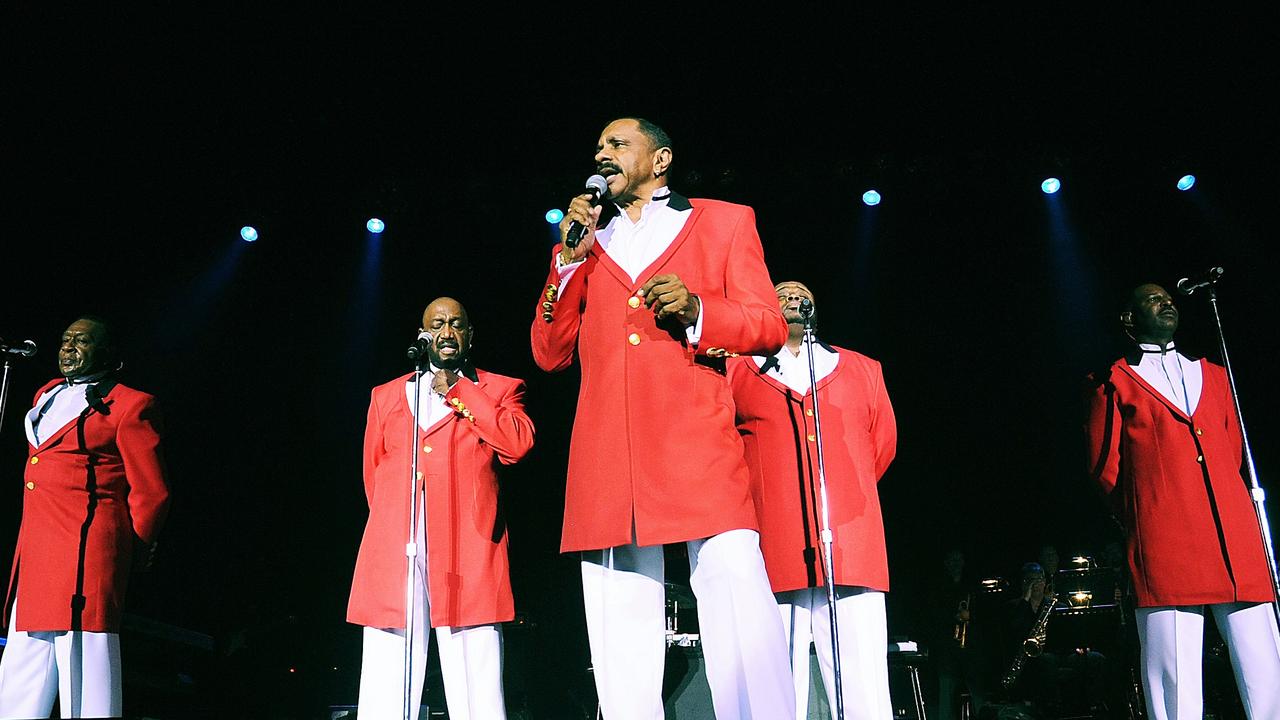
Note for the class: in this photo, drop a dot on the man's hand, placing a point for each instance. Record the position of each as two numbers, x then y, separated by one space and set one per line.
144 556
442 381
580 209
667 296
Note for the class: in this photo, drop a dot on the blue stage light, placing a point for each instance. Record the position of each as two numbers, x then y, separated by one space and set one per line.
1050 186
871 197
375 226
554 216
248 233
1186 182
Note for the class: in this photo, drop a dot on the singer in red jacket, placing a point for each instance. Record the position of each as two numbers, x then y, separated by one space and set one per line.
776 417
1164 443
472 423
658 293
94 498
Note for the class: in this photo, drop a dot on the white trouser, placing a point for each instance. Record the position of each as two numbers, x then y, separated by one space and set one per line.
470 662
742 640
1172 640
864 648
79 669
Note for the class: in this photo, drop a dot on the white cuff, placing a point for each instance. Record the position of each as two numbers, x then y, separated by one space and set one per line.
566 271
694 331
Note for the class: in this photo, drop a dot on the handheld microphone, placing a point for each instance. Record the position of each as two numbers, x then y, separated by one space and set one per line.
418 349
1186 286
597 186
25 349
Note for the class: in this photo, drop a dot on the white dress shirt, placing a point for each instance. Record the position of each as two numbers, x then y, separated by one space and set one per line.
1177 377
56 407
793 370
433 407
635 245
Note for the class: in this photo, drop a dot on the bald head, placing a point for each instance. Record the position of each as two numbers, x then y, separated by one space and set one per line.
450 329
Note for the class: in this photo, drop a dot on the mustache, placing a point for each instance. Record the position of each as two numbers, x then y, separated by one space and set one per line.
608 166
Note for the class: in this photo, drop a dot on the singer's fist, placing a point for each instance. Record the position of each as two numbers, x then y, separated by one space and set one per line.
667 296
442 381
581 212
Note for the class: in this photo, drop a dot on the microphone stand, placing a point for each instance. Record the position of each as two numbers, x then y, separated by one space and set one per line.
4 389
1255 490
828 567
411 545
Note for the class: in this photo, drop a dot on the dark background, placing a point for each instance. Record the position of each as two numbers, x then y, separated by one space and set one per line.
138 140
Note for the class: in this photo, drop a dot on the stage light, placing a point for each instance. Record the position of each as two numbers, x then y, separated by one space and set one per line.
1050 186
375 226
871 198
248 233
554 216
1186 182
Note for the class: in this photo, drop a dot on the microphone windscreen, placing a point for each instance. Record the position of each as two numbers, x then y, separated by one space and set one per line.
599 184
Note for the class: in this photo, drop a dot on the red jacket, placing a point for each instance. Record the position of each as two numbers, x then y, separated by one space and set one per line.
1193 533
92 491
654 442
860 439
467 572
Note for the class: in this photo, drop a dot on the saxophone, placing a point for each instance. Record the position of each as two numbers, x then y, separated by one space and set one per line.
1033 646
960 633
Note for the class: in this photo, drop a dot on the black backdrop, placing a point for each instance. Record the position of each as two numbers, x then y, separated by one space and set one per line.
138 140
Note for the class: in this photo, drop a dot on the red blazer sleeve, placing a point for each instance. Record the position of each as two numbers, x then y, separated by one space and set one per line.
374 449
884 426
500 422
1233 424
1102 434
138 439
554 341
746 320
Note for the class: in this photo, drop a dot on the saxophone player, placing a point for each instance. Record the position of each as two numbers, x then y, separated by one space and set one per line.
1032 672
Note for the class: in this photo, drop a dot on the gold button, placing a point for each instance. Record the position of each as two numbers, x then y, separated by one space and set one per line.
1199 431
454 401
35 460
419 476
426 448
633 302
808 411
633 338
813 438
547 317
547 306
31 485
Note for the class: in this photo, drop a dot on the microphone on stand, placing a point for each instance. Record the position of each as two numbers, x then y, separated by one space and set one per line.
597 186
1186 286
806 308
418 349
24 349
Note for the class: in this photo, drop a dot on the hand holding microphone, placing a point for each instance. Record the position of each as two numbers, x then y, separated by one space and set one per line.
580 220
